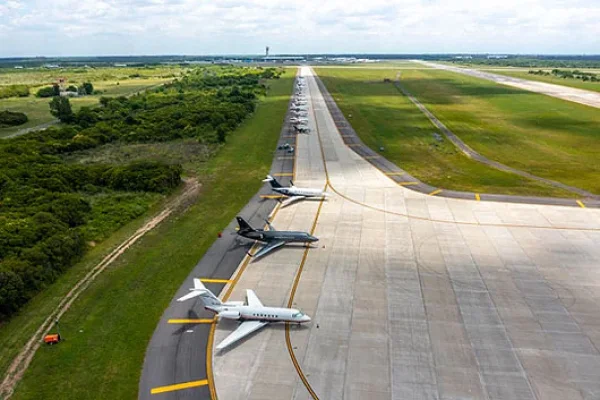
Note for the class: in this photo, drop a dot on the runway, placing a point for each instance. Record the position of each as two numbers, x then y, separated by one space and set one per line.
415 296
580 96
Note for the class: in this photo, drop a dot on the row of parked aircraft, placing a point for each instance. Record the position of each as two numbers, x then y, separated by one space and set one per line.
299 108
251 313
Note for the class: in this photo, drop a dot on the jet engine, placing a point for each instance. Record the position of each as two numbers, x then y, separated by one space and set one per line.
229 314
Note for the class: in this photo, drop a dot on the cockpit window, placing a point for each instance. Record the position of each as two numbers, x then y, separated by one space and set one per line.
298 314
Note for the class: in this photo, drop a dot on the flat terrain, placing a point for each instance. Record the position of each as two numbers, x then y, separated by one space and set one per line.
107 330
110 81
384 117
419 297
539 134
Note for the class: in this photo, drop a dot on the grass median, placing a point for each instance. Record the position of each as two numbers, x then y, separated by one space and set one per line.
109 326
384 118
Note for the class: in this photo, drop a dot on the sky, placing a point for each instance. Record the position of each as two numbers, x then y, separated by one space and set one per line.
205 27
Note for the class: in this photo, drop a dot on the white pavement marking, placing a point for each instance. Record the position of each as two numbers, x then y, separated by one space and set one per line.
417 296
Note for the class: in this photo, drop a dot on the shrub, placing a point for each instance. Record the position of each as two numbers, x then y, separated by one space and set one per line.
11 118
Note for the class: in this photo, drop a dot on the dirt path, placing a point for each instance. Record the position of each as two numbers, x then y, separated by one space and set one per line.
23 359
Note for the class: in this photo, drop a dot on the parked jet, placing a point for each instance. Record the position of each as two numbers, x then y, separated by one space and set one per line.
292 192
301 129
272 238
252 314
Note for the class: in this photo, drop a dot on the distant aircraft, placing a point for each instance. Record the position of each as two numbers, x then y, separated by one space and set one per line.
292 192
272 238
252 314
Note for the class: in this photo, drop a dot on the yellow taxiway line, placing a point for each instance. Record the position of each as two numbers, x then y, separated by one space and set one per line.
580 203
210 280
437 191
179 386
271 196
283 174
395 173
407 183
191 321
477 197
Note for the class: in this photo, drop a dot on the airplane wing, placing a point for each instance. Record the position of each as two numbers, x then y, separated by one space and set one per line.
291 200
243 330
252 299
268 248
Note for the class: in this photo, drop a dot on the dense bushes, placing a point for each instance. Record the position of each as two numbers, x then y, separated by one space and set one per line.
44 201
14 91
48 91
11 118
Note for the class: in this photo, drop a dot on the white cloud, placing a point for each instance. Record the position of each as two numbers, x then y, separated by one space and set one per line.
88 27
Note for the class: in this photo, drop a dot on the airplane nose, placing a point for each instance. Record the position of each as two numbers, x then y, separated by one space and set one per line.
312 238
306 318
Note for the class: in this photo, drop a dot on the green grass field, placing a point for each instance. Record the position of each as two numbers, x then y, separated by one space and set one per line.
108 328
382 116
111 81
545 136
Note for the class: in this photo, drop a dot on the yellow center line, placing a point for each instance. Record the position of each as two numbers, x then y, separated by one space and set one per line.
271 196
179 386
370 157
354 144
191 321
394 173
580 203
210 280
283 174
436 191
407 183
477 197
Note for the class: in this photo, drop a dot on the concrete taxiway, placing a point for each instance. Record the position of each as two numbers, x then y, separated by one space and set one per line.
416 296
581 96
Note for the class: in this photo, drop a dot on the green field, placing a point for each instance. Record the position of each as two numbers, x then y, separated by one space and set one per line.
382 116
108 328
576 83
110 81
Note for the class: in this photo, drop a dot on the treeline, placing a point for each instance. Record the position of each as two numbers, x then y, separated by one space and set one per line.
526 62
43 199
14 91
567 74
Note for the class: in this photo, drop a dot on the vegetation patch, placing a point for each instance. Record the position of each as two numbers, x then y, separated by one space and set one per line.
44 209
107 330
542 135
11 118
391 124
14 91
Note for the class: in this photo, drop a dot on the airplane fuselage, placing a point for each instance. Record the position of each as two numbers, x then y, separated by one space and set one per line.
270 314
295 191
286 236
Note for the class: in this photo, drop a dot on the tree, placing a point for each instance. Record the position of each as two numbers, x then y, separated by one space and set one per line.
47 91
72 88
60 107
88 87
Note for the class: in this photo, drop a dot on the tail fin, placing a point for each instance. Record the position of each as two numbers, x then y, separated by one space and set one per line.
244 226
209 299
199 290
274 183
